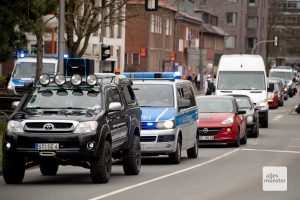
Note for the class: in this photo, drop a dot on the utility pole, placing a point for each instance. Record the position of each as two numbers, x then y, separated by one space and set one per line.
61 37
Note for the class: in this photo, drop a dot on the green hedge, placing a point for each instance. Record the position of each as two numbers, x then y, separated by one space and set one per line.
2 127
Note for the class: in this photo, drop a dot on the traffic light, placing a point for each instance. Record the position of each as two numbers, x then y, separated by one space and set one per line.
105 52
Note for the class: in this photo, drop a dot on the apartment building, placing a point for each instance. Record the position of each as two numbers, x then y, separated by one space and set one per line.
284 21
243 21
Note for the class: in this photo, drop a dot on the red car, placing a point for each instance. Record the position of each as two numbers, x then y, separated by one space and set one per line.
220 120
273 95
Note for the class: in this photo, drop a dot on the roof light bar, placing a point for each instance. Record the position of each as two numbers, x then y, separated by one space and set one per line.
152 75
60 79
76 79
44 79
91 80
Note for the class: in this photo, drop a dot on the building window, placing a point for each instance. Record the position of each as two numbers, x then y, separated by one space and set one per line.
251 42
152 23
205 17
214 20
231 18
135 58
252 3
168 27
230 42
126 58
252 22
156 24
231 1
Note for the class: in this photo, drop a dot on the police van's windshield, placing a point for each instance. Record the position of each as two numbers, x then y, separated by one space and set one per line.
27 69
283 75
154 95
64 99
241 80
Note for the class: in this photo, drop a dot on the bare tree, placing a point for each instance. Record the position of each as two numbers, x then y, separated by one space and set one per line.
83 18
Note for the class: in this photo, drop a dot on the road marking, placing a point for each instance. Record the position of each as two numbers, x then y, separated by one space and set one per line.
277 117
294 146
270 150
164 176
294 138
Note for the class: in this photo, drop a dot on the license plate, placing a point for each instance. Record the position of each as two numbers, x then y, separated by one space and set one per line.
206 138
46 146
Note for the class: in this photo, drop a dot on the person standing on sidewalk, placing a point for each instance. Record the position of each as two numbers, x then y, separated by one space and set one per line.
209 87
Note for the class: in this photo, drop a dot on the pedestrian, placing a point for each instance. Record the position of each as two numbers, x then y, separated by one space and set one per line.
209 87
197 80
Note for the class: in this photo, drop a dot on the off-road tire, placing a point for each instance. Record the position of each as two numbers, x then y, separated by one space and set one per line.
13 169
175 157
48 168
132 157
101 167
193 152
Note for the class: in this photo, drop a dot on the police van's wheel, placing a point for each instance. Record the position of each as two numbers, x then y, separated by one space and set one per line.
13 169
193 152
175 157
101 167
132 157
48 167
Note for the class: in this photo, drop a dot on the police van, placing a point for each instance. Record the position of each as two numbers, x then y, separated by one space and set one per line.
24 71
169 114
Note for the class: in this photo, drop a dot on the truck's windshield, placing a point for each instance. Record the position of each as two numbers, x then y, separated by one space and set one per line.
27 69
64 99
241 80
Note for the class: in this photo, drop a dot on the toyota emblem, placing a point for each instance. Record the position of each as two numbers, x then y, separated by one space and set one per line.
48 126
205 130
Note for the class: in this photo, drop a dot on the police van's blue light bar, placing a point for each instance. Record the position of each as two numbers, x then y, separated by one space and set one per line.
152 75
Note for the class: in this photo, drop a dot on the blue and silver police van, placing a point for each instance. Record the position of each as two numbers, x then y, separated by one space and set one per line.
169 114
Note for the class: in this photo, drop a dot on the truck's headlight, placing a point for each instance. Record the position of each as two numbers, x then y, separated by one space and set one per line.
86 127
14 126
227 121
263 104
165 124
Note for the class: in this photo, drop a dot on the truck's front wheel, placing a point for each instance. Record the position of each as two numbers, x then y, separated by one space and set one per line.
13 169
132 157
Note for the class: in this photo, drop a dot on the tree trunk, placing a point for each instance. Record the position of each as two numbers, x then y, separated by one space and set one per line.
39 44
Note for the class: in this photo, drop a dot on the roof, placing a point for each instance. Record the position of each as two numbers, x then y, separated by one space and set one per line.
214 97
241 62
207 28
166 4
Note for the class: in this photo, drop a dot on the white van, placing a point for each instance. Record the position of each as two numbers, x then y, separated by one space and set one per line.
244 74
24 71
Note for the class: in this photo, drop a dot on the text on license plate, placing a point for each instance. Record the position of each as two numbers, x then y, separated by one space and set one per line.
206 138
46 146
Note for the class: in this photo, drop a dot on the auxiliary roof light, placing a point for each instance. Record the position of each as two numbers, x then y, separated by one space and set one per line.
76 79
60 79
91 80
44 79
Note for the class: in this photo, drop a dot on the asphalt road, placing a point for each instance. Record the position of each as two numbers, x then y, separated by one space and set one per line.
219 172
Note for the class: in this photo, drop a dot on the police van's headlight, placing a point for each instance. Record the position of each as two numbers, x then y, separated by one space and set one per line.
14 126
10 86
165 124
86 127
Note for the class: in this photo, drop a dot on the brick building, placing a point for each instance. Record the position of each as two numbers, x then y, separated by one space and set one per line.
162 40
244 21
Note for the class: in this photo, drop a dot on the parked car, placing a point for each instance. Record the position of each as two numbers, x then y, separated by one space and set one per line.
273 99
252 118
282 89
220 120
